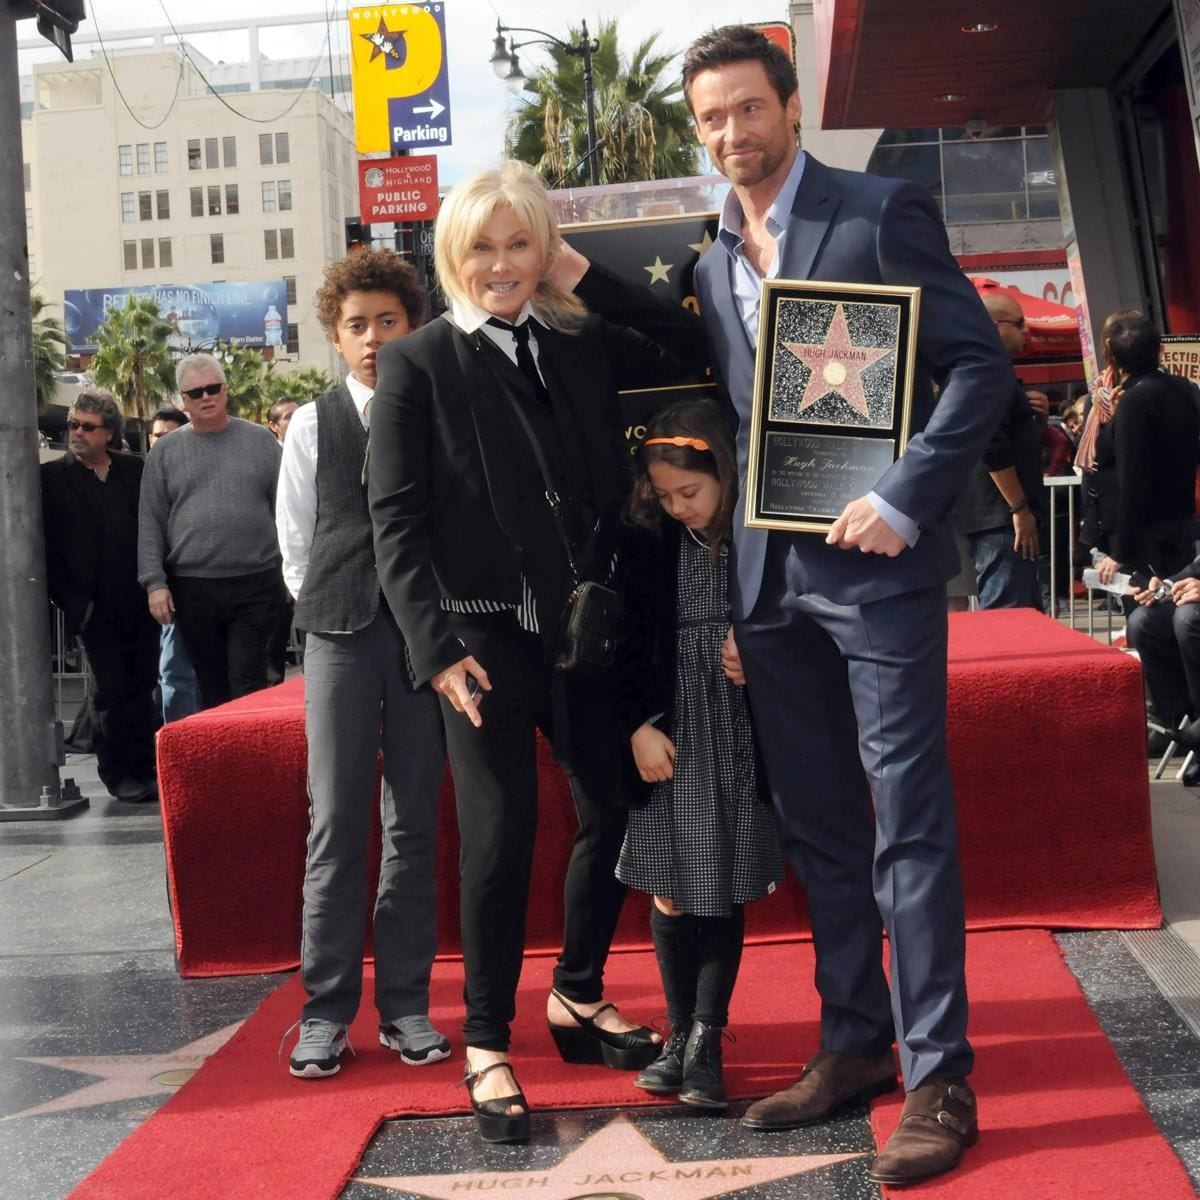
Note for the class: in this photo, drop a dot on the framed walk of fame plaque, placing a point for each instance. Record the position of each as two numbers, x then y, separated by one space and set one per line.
832 398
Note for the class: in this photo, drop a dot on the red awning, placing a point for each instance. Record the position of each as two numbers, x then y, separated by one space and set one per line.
1052 330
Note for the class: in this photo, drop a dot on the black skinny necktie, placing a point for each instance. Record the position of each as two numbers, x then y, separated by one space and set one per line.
525 361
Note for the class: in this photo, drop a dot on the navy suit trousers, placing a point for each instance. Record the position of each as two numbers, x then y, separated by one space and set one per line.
850 706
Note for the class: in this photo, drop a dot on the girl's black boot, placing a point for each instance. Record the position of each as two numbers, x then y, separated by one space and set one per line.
703 1072
664 1076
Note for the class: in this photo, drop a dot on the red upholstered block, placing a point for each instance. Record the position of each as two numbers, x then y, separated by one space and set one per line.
1048 753
1046 747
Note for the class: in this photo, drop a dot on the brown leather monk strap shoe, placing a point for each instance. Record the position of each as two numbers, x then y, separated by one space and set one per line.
830 1081
938 1122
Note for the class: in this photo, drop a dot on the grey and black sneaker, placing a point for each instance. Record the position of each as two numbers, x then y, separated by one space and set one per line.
416 1040
319 1050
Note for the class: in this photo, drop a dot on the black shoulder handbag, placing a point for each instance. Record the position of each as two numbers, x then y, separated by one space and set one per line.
587 631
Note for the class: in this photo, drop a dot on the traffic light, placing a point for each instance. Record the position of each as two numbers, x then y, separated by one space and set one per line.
56 19
357 234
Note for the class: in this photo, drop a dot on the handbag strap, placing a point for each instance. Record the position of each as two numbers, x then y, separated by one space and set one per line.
551 492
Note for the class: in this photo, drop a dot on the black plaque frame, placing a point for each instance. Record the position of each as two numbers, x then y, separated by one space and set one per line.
819 441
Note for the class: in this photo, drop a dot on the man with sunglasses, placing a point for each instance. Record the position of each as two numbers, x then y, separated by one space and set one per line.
207 554
90 505
999 509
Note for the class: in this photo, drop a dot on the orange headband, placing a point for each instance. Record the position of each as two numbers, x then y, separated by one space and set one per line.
695 443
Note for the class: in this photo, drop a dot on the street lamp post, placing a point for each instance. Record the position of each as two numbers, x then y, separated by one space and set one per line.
507 66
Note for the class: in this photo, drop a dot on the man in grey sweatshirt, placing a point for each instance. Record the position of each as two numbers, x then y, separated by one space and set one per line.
207 552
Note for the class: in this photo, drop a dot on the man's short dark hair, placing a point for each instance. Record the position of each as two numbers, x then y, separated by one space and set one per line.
1134 343
369 271
733 44
102 404
175 415
276 409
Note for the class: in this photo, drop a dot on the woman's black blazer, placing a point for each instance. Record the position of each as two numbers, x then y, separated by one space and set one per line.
441 485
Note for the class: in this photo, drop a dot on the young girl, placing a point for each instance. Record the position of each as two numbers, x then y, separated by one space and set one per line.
704 841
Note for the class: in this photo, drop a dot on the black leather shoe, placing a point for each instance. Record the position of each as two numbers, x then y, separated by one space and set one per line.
1191 774
703 1073
1189 736
587 1042
664 1076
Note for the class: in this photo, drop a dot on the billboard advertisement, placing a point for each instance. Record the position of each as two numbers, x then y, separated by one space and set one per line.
397 189
240 314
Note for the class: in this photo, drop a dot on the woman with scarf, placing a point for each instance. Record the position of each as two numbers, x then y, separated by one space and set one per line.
1138 453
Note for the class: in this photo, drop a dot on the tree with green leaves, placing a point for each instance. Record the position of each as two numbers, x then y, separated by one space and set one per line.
302 386
246 376
134 359
49 349
254 384
642 119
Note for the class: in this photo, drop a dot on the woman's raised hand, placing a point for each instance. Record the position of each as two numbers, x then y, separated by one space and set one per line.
568 268
463 684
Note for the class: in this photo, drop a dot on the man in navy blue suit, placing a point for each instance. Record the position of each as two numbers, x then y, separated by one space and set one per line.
842 638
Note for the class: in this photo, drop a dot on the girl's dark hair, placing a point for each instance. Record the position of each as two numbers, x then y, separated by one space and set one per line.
704 421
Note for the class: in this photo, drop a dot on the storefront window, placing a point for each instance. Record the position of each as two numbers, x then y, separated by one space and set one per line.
984 181
1004 175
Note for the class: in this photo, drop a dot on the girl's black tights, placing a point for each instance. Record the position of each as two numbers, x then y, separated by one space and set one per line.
718 955
699 959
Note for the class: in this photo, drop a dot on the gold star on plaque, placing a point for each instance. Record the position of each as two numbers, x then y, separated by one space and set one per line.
658 272
703 246
836 365
616 1160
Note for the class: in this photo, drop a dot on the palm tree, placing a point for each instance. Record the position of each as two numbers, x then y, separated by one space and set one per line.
133 359
641 119
49 350
302 386
246 376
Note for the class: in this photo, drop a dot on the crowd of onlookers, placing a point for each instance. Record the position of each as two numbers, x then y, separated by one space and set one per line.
119 526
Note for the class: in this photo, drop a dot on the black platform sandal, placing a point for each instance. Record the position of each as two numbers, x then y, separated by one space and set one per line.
586 1042
496 1123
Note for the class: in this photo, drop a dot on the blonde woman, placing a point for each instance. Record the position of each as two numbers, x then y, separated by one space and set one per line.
519 379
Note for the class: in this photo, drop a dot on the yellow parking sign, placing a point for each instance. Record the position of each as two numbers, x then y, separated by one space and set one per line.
398 72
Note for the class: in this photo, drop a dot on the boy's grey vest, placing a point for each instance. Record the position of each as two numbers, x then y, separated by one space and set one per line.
340 592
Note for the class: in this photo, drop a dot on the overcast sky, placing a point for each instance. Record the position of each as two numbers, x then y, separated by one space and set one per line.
480 102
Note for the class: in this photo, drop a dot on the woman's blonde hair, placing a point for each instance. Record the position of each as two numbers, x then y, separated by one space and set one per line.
468 207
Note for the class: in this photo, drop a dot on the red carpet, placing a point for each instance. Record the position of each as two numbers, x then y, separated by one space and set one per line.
1046 747
1059 1115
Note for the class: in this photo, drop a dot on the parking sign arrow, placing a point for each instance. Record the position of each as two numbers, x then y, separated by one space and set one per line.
433 108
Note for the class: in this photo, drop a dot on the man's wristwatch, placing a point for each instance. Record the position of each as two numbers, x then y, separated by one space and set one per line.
1016 508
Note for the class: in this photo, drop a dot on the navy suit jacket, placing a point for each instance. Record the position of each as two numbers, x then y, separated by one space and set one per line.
854 228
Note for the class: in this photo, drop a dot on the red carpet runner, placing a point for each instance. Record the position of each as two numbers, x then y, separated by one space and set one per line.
1046 733
1059 1115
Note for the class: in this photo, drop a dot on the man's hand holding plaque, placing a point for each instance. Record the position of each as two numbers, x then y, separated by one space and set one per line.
860 527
